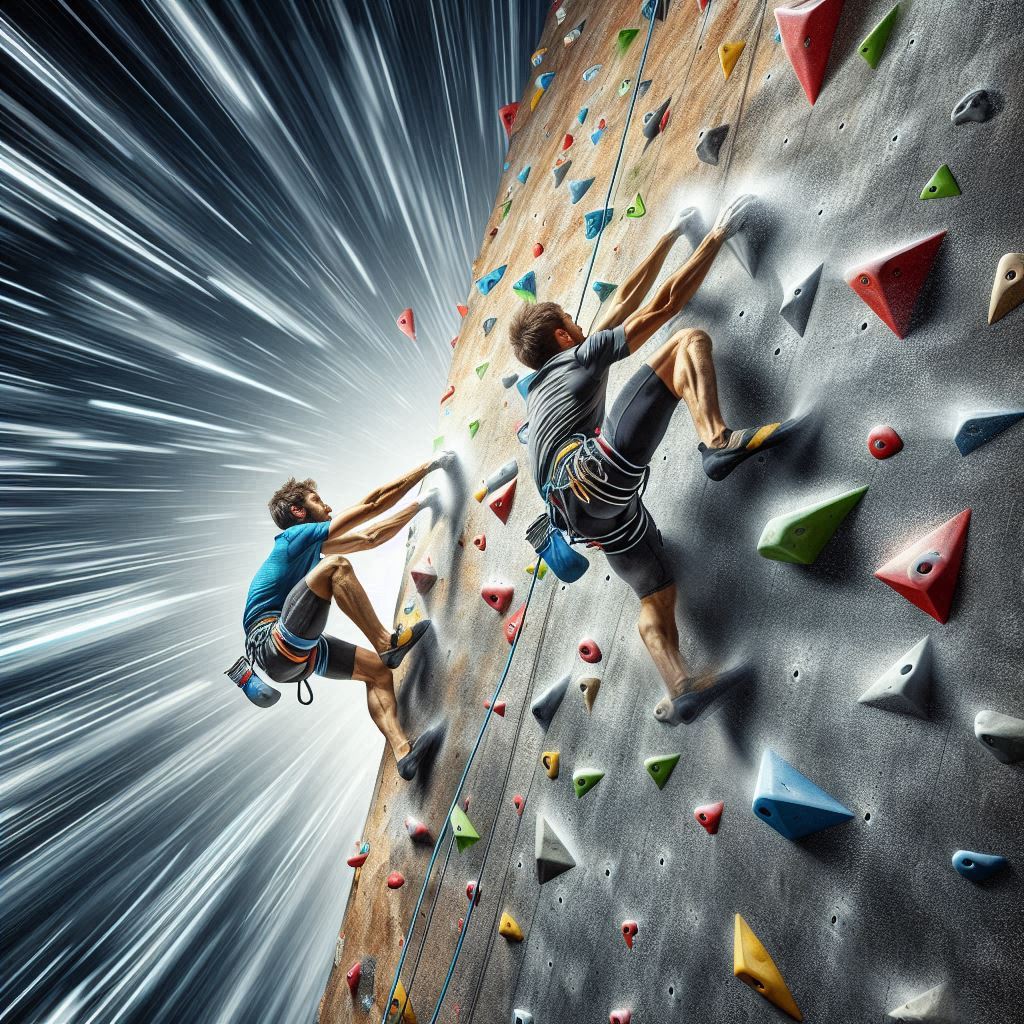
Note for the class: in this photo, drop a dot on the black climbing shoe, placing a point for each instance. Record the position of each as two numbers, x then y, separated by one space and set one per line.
720 462
422 751
402 642
688 706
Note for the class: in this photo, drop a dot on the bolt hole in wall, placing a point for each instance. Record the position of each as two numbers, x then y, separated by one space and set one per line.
796 673
834 919
778 350
671 990
867 816
863 327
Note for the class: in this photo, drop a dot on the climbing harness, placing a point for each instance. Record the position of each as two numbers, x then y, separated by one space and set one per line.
286 643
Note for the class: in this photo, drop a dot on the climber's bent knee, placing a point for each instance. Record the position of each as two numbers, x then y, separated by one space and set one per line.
321 578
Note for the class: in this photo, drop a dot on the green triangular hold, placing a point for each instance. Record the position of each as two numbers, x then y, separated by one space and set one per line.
584 781
637 208
474 426
660 768
505 207
481 370
873 46
942 186
438 442
626 36
799 536
465 834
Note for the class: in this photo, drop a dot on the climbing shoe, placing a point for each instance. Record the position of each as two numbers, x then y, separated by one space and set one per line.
689 705
402 642
423 749
741 444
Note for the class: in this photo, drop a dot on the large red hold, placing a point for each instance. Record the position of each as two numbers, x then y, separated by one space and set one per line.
709 816
589 650
498 596
501 501
807 28
355 972
515 624
891 284
396 880
926 572
407 323
357 860
507 114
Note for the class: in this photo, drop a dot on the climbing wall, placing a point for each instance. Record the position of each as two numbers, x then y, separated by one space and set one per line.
870 912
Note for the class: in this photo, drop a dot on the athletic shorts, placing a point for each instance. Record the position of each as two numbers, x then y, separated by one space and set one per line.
296 647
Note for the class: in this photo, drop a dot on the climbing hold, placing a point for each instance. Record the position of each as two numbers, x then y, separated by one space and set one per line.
933 1005
753 965
438 443
480 542
489 324
1008 286
584 780
873 46
591 71
401 1011
545 706
357 860
515 624
728 54
352 977
500 476
596 220
448 393
629 930
537 57
497 596
582 115
500 707
526 287
926 572
942 185
595 136
522 1017
505 207
604 289
977 428
549 759
655 121
518 802
507 114
572 36
567 141
796 310
792 804
624 86
904 687
473 893
636 208
807 28
545 79
542 571
488 281
418 832
589 687
508 927
523 384
522 429
578 189
395 880
800 536
424 576
589 650
978 866
620 1017
502 500
977 106
710 143
407 323
660 768
709 816
884 442
524 174
626 36
537 249
509 379
553 859
462 827
890 284
474 426
641 89
1002 734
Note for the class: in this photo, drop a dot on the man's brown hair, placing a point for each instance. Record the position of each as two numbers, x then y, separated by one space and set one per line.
532 333
291 493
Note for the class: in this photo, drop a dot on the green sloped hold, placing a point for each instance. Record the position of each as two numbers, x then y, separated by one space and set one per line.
584 781
660 768
438 442
465 834
505 207
873 46
942 186
799 536
482 369
474 426
626 36
637 207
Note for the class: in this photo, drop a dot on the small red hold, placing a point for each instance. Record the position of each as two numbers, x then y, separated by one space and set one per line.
501 500
454 341
602 124
480 542
461 923
620 1017
663 124
499 707
451 389
463 310
465 803
519 802
709 816
355 972
537 249
567 142
514 624
498 596
472 893
407 324
357 861
396 880
589 651
508 116
492 234
629 930
884 442
418 832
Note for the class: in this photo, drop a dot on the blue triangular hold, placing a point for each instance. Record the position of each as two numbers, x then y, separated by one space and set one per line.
526 287
596 220
523 384
792 804
582 115
489 324
604 289
978 428
595 137
560 172
544 80
579 188
524 174
488 281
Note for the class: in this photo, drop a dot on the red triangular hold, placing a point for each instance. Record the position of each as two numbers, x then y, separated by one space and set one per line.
352 977
463 310
926 572
709 816
514 624
498 596
424 576
501 501
807 28
891 284
508 116
407 323
499 707
418 832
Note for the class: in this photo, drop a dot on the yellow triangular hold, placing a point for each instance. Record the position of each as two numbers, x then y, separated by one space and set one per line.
754 967
507 926
401 1011
728 54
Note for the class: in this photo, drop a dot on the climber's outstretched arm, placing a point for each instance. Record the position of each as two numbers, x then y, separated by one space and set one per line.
372 536
373 504
634 289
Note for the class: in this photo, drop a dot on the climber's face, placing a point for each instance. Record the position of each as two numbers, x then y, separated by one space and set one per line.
571 334
313 509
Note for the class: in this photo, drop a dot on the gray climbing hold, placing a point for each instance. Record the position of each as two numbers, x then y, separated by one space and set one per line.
489 324
579 188
522 1017
710 144
560 172
977 106
934 1005
553 859
545 706
641 89
1002 734
509 379
905 686
796 309
743 247
652 121
977 428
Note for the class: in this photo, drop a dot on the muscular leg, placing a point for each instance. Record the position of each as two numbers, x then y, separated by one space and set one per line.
380 700
657 625
335 578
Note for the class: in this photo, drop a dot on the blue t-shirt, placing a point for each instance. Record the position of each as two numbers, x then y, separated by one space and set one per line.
296 551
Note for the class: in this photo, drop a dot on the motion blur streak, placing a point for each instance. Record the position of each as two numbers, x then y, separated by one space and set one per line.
210 216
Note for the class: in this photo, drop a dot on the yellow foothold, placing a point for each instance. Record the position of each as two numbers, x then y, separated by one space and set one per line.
401 1011
1008 287
508 927
541 572
535 99
728 54
589 687
550 761
481 494
754 967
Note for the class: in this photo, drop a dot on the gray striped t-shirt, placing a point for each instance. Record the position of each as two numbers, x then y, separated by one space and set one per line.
567 397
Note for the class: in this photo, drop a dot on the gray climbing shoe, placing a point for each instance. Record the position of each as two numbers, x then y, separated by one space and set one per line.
423 749
742 444
402 642
689 705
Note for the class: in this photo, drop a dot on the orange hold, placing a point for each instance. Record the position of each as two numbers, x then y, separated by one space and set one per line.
499 707
514 624
463 310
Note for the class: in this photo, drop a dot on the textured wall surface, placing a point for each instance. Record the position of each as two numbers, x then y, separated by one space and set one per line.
863 916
